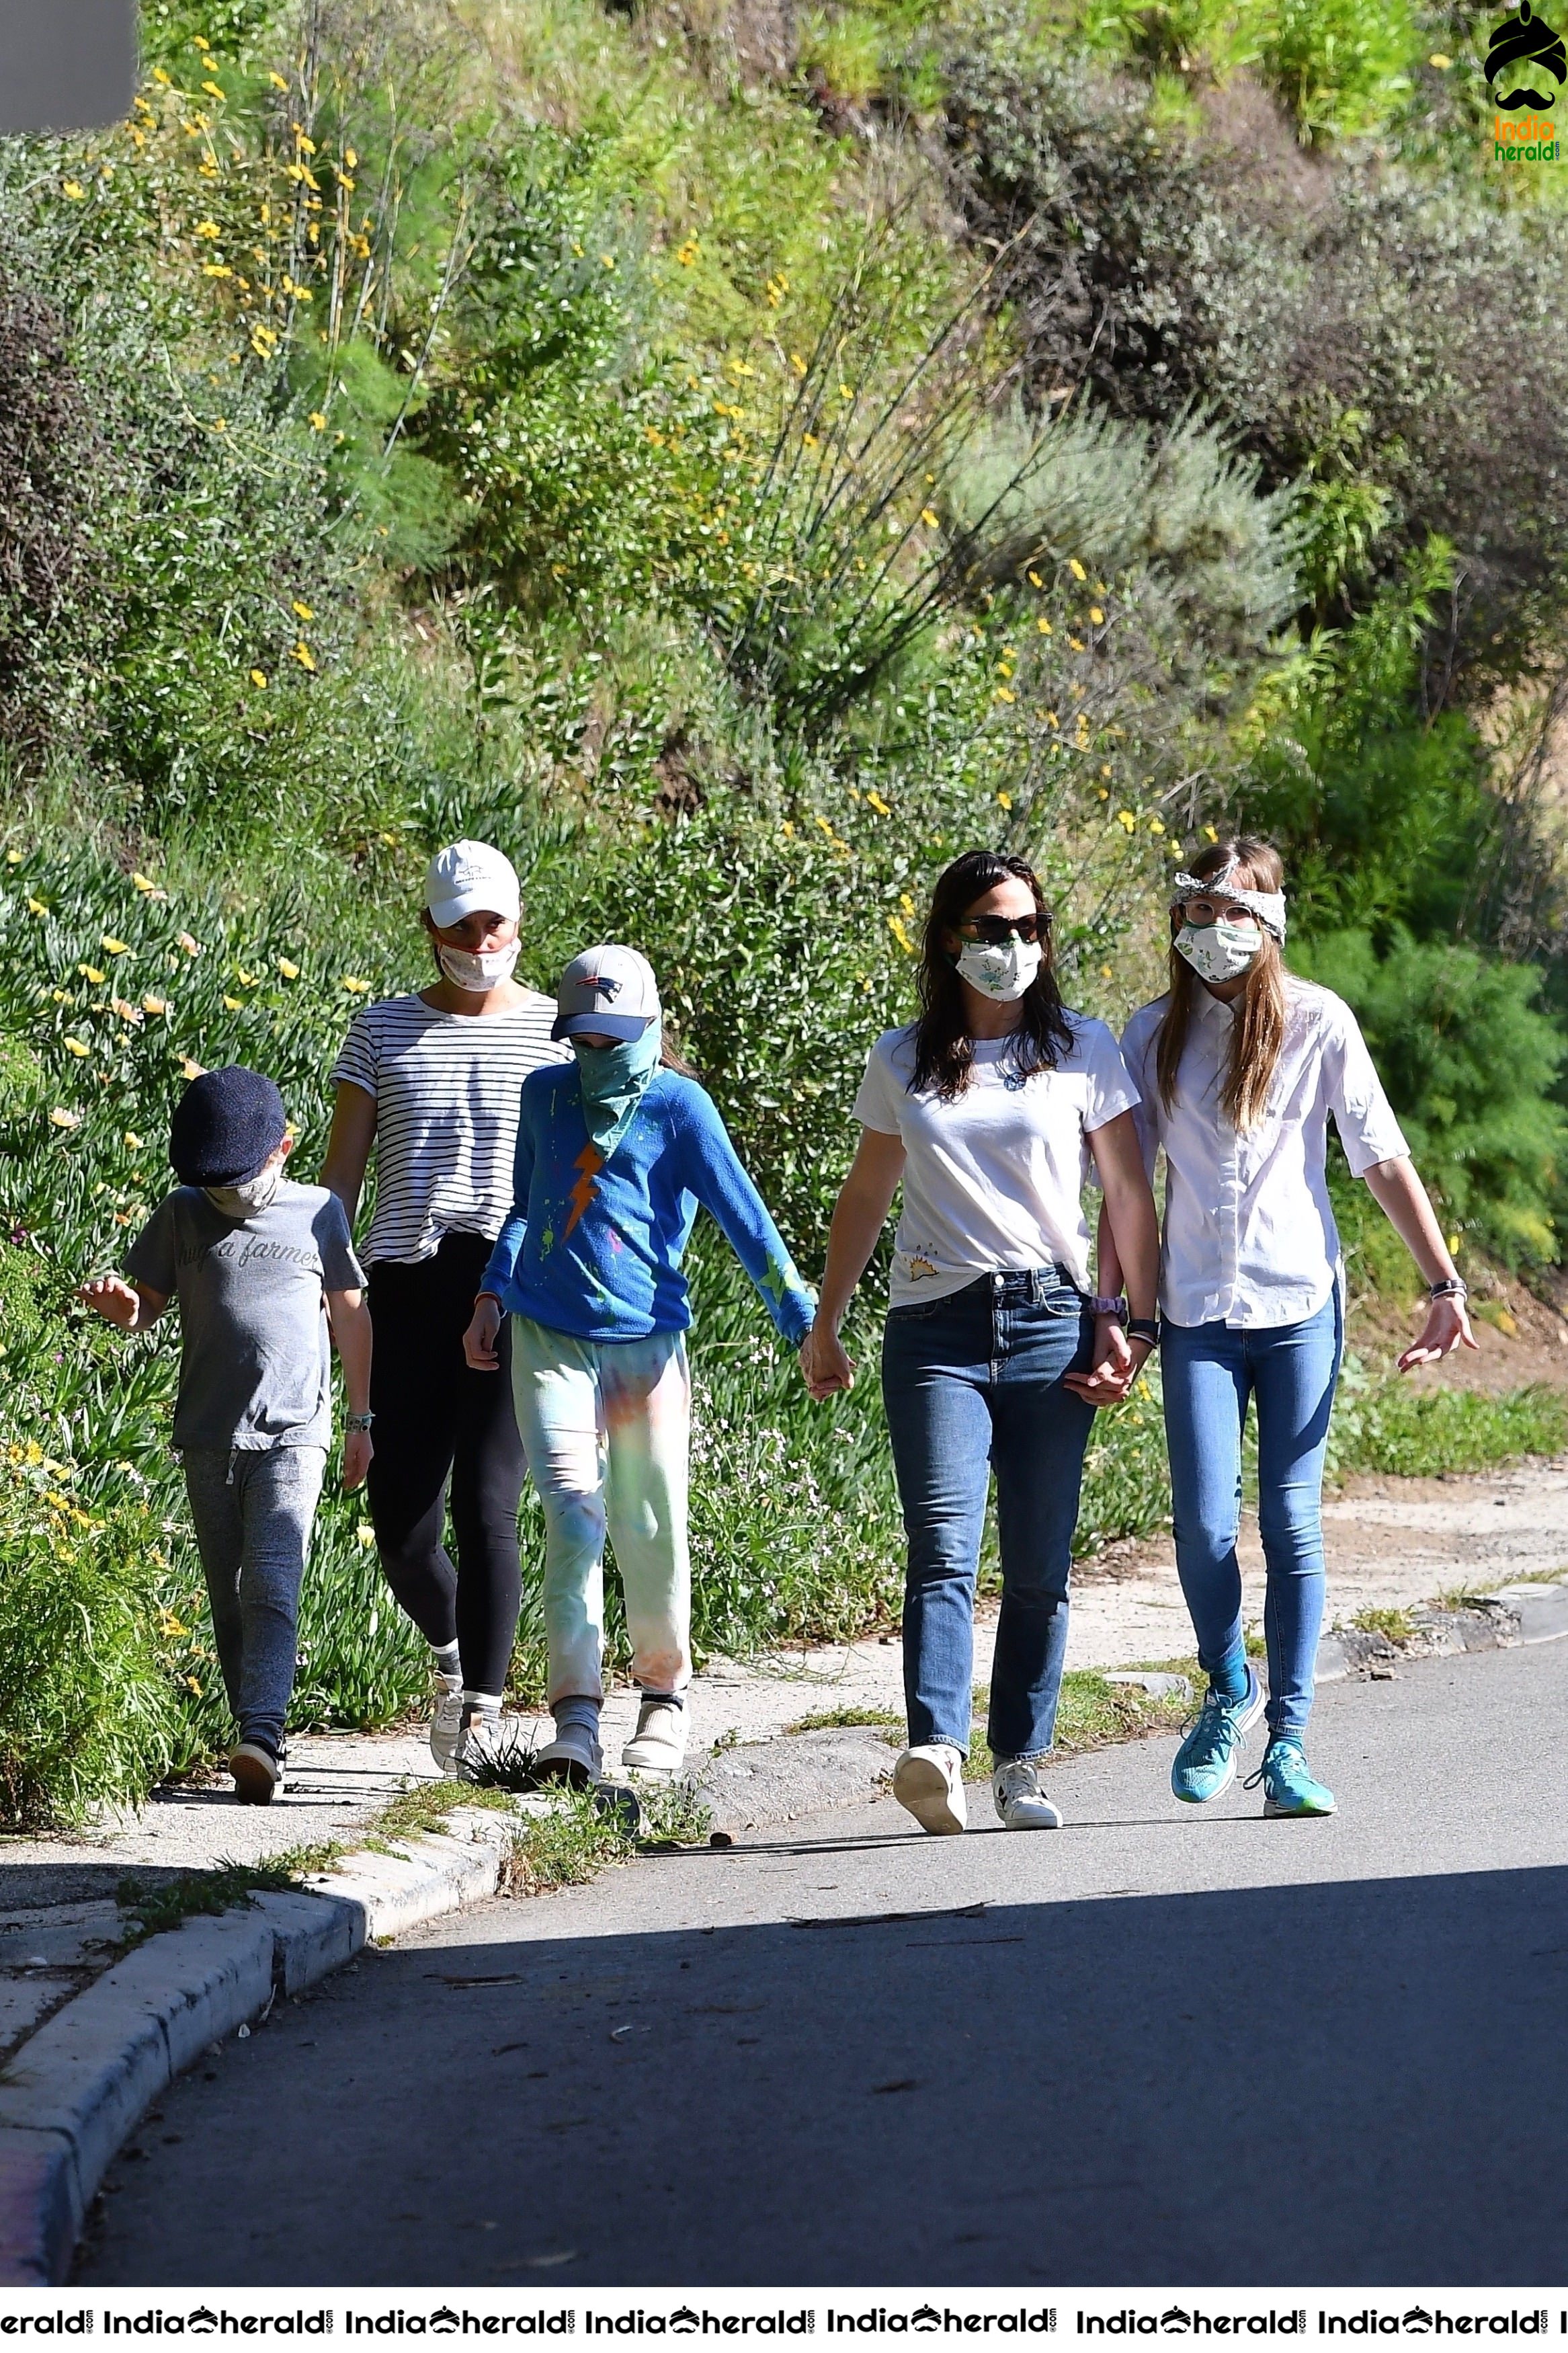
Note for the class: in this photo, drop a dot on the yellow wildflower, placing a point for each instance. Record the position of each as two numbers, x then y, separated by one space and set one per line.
278 82
1043 625
75 1046
144 883
209 229
896 926
189 1070
797 363
875 800
1036 581
1005 694
36 907
355 986
365 1534
60 996
154 1005
289 971
1438 62
259 678
318 422
303 656
115 947
928 516
13 858
1076 568
1006 799
192 948
1156 826
160 76
1076 644
74 190
1096 615
214 92
234 1004
90 972
905 903
131 1143
304 611
1126 821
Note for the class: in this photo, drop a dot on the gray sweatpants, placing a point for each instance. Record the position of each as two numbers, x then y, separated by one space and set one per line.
253 1513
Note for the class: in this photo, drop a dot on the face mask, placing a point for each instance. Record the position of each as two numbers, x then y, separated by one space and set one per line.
246 1200
1002 973
1219 951
615 1080
477 973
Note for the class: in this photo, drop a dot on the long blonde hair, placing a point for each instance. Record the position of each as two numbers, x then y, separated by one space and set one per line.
1258 1031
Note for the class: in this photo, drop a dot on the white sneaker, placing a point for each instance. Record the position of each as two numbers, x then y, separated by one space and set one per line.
445 1727
478 1736
572 1756
1021 1803
929 1783
658 1743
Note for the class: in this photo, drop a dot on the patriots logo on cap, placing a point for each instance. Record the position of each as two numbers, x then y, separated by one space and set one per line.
605 983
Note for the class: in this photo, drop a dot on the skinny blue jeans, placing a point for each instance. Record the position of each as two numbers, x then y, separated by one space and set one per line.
253 1510
973 1383
1209 1371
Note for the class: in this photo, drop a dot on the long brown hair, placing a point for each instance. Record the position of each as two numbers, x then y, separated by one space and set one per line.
1259 1030
944 1050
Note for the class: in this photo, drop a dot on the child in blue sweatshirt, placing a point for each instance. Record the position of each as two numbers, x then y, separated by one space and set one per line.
615 1153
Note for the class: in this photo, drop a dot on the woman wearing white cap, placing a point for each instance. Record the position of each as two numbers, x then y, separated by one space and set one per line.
432 1082
1239 1065
615 1156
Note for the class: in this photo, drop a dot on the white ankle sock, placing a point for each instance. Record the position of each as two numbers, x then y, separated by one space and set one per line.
446 1666
479 1703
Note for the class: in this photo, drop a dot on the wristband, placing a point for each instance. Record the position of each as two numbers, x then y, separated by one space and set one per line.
486 1294
1144 1328
358 1420
1117 1307
1452 1287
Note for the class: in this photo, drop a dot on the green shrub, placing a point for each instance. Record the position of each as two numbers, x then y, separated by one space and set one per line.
1392 1427
87 1714
1467 1061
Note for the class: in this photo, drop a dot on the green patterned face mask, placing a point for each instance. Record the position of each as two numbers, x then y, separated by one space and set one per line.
614 1080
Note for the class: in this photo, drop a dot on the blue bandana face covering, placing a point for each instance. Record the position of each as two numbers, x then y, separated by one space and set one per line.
614 1081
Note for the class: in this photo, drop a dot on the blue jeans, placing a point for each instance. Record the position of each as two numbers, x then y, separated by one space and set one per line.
1209 1371
975 1382
253 1511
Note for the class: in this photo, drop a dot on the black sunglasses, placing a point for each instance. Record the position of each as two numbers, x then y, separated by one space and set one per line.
996 931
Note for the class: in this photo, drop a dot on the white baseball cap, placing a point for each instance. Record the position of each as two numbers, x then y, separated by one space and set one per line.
470 875
608 990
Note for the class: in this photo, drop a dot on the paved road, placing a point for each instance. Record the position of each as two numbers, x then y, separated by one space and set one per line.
1173 2048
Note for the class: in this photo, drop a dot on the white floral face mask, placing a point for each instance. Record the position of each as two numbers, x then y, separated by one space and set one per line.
1001 972
1219 951
477 973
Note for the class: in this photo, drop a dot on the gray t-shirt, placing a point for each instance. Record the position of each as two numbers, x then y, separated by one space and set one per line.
255 1351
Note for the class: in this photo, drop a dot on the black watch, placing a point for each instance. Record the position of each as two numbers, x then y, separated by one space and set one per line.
1143 1327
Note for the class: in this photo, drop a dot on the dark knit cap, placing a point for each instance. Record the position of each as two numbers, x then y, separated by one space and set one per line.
224 1125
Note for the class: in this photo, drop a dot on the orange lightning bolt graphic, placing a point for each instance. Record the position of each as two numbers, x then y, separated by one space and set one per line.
590 1160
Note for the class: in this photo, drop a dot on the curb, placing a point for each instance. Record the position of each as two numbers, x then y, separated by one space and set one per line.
73 2094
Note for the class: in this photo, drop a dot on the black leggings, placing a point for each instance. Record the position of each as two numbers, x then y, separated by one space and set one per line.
437 1421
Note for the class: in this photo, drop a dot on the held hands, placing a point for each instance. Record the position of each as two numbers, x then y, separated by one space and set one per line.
1447 1327
825 1362
1118 1361
112 1299
358 1450
479 1339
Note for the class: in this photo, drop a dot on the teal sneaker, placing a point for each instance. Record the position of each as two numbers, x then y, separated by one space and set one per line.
1206 1761
1289 1788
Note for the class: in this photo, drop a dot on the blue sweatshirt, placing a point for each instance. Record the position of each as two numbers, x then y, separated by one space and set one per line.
594 1248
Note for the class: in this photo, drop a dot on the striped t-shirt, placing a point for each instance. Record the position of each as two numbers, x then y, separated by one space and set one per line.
446 1087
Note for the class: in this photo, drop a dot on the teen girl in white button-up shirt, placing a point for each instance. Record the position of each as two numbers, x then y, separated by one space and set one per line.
1238 1067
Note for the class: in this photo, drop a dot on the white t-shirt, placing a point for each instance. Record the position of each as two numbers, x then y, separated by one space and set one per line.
994 1180
447 1087
1249 1235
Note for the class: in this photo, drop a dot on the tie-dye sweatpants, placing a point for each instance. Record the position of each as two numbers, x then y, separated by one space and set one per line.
606 1427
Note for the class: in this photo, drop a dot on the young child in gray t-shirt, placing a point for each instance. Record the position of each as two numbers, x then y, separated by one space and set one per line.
263 1268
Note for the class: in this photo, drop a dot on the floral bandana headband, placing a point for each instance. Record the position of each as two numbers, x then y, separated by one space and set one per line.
1269 906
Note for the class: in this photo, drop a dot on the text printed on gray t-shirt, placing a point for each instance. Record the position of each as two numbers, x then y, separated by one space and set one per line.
254 1351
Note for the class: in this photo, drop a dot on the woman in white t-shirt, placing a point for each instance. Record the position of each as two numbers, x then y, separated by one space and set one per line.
989 1108
432 1082
1238 1067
